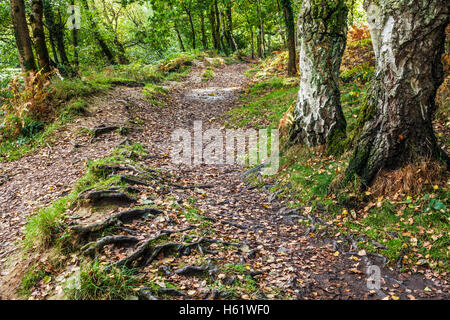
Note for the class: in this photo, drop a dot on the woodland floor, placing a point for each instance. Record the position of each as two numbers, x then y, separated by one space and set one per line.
285 262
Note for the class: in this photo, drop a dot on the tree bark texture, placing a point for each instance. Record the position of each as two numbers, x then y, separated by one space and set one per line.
319 119
408 38
22 35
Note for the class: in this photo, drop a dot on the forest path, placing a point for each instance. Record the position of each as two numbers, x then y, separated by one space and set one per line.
292 264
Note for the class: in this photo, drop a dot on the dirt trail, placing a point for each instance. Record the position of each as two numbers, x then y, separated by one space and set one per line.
282 250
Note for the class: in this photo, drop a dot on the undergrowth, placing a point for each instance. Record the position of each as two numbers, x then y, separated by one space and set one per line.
29 115
410 228
97 284
47 226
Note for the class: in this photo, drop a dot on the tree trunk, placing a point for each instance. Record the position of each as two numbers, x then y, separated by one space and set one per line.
259 44
408 39
37 27
222 32
261 51
204 38
290 30
253 42
107 52
218 26
109 25
180 40
22 36
76 60
318 115
212 20
56 33
121 50
229 26
191 23
53 47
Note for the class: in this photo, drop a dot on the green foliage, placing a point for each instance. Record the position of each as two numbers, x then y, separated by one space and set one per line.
47 227
265 104
361 72
155 94
209 74
136 71
414 231
242 283
78 107
16 148
76 88
31 278
97 284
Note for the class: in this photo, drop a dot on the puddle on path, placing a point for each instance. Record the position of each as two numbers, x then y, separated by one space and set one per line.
211 94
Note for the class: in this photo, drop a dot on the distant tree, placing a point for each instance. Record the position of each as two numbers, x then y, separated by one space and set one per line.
76 60
23 40
104 46
37 27
214 30
180 39
290 30
187 5
203 28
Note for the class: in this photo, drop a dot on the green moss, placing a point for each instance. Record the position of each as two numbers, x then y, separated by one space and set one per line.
367 111
331 15
155 94
76 88
337 143
47 226
78 107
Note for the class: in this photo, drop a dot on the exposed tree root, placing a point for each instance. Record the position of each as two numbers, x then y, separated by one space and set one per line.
124 142
147 253
256 169
172 292
146 294
169 232
93 248
113 169
108 196
140 251
133 181
103 129
3 179
192 270
234 224
120 217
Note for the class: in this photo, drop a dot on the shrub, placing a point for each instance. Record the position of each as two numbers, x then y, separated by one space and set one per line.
28 107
